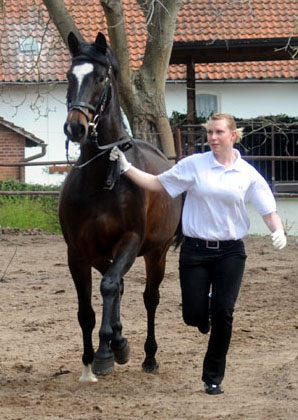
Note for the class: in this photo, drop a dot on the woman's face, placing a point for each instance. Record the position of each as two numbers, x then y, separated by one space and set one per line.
220 138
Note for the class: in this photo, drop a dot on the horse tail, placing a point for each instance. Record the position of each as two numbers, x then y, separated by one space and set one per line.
178 237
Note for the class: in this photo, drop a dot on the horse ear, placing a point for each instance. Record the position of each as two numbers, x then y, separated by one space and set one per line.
73 43
101 42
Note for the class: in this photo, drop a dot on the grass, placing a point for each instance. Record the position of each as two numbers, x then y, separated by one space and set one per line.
29 212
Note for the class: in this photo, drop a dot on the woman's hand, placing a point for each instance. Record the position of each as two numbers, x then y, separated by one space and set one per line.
116 154
279 239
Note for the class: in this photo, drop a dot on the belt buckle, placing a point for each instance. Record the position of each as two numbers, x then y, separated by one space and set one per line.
215 246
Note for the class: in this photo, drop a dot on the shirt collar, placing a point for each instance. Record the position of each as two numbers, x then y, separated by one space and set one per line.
235 167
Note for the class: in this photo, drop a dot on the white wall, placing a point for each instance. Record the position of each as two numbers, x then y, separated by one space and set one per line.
243 100
287 209
42 111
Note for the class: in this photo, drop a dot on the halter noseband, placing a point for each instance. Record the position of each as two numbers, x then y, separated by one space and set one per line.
79 106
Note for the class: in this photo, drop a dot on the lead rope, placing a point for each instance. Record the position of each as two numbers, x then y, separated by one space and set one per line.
67 150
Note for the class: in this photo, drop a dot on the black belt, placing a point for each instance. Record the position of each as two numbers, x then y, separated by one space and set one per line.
209 244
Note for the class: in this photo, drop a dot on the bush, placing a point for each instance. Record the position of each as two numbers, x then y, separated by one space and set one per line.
178 119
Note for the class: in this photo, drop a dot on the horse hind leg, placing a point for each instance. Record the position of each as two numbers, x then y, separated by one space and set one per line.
81 275
155 269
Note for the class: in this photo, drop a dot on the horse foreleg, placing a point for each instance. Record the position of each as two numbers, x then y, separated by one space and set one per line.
155 269
119 344
112 346
81 274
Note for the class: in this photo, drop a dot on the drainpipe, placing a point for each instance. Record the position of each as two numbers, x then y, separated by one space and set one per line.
28 159
38 155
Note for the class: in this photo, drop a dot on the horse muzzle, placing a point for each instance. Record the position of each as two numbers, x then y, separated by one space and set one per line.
76 127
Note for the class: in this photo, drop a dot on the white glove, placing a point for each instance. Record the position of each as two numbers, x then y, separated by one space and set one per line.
117 154
279 239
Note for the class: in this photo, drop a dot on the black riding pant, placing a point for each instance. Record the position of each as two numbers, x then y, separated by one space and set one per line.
221 269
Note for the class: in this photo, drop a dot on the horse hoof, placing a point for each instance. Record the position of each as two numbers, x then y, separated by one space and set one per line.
122 355
150 367
87 375
103 367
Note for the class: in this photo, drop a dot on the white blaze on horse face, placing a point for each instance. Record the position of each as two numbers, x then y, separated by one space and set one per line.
80 71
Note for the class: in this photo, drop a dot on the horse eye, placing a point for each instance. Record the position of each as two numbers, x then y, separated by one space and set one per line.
99 79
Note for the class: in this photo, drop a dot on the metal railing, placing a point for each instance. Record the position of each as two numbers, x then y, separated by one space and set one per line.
23 164
271 148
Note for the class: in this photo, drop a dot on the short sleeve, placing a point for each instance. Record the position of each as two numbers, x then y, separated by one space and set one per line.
179 178
260 195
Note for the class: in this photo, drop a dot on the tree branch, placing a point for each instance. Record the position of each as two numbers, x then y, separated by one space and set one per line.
161 22
62 19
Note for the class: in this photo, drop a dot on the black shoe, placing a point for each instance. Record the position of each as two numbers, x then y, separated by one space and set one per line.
206 329
213 389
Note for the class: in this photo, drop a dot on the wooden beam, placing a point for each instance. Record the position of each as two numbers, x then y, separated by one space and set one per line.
267 49
191 102
191 91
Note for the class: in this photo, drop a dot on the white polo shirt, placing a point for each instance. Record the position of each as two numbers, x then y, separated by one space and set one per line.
215 200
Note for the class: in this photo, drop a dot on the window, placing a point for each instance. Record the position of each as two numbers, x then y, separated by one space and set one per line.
206 104
29 46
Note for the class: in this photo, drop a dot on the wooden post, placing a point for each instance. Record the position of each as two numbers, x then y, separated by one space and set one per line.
179 152
191 102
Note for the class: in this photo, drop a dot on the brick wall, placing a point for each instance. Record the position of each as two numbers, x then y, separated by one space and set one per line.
12 149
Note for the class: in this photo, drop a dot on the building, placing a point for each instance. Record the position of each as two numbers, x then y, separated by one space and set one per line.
13 141
219 63
34 62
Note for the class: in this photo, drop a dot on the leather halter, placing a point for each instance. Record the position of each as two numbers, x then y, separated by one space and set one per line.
124 142
97 110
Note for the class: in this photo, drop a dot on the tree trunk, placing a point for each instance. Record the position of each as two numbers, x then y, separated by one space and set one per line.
141 92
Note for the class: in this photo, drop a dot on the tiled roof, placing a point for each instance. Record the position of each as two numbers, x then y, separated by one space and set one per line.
240 71
236 19
24 22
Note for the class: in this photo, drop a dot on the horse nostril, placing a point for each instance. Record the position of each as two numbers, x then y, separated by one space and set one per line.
75 131
81 130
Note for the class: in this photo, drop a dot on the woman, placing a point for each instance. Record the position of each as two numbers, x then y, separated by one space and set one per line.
218 184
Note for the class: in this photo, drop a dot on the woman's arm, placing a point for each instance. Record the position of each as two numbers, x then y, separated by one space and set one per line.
273 221
144 180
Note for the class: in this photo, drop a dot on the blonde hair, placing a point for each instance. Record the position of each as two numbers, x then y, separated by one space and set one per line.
231 123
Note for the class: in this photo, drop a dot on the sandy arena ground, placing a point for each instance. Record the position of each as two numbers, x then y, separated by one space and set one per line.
40 342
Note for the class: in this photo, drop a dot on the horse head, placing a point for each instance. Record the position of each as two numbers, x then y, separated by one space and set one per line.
90 79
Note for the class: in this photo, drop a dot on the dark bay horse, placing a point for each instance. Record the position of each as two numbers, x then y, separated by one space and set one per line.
108 222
